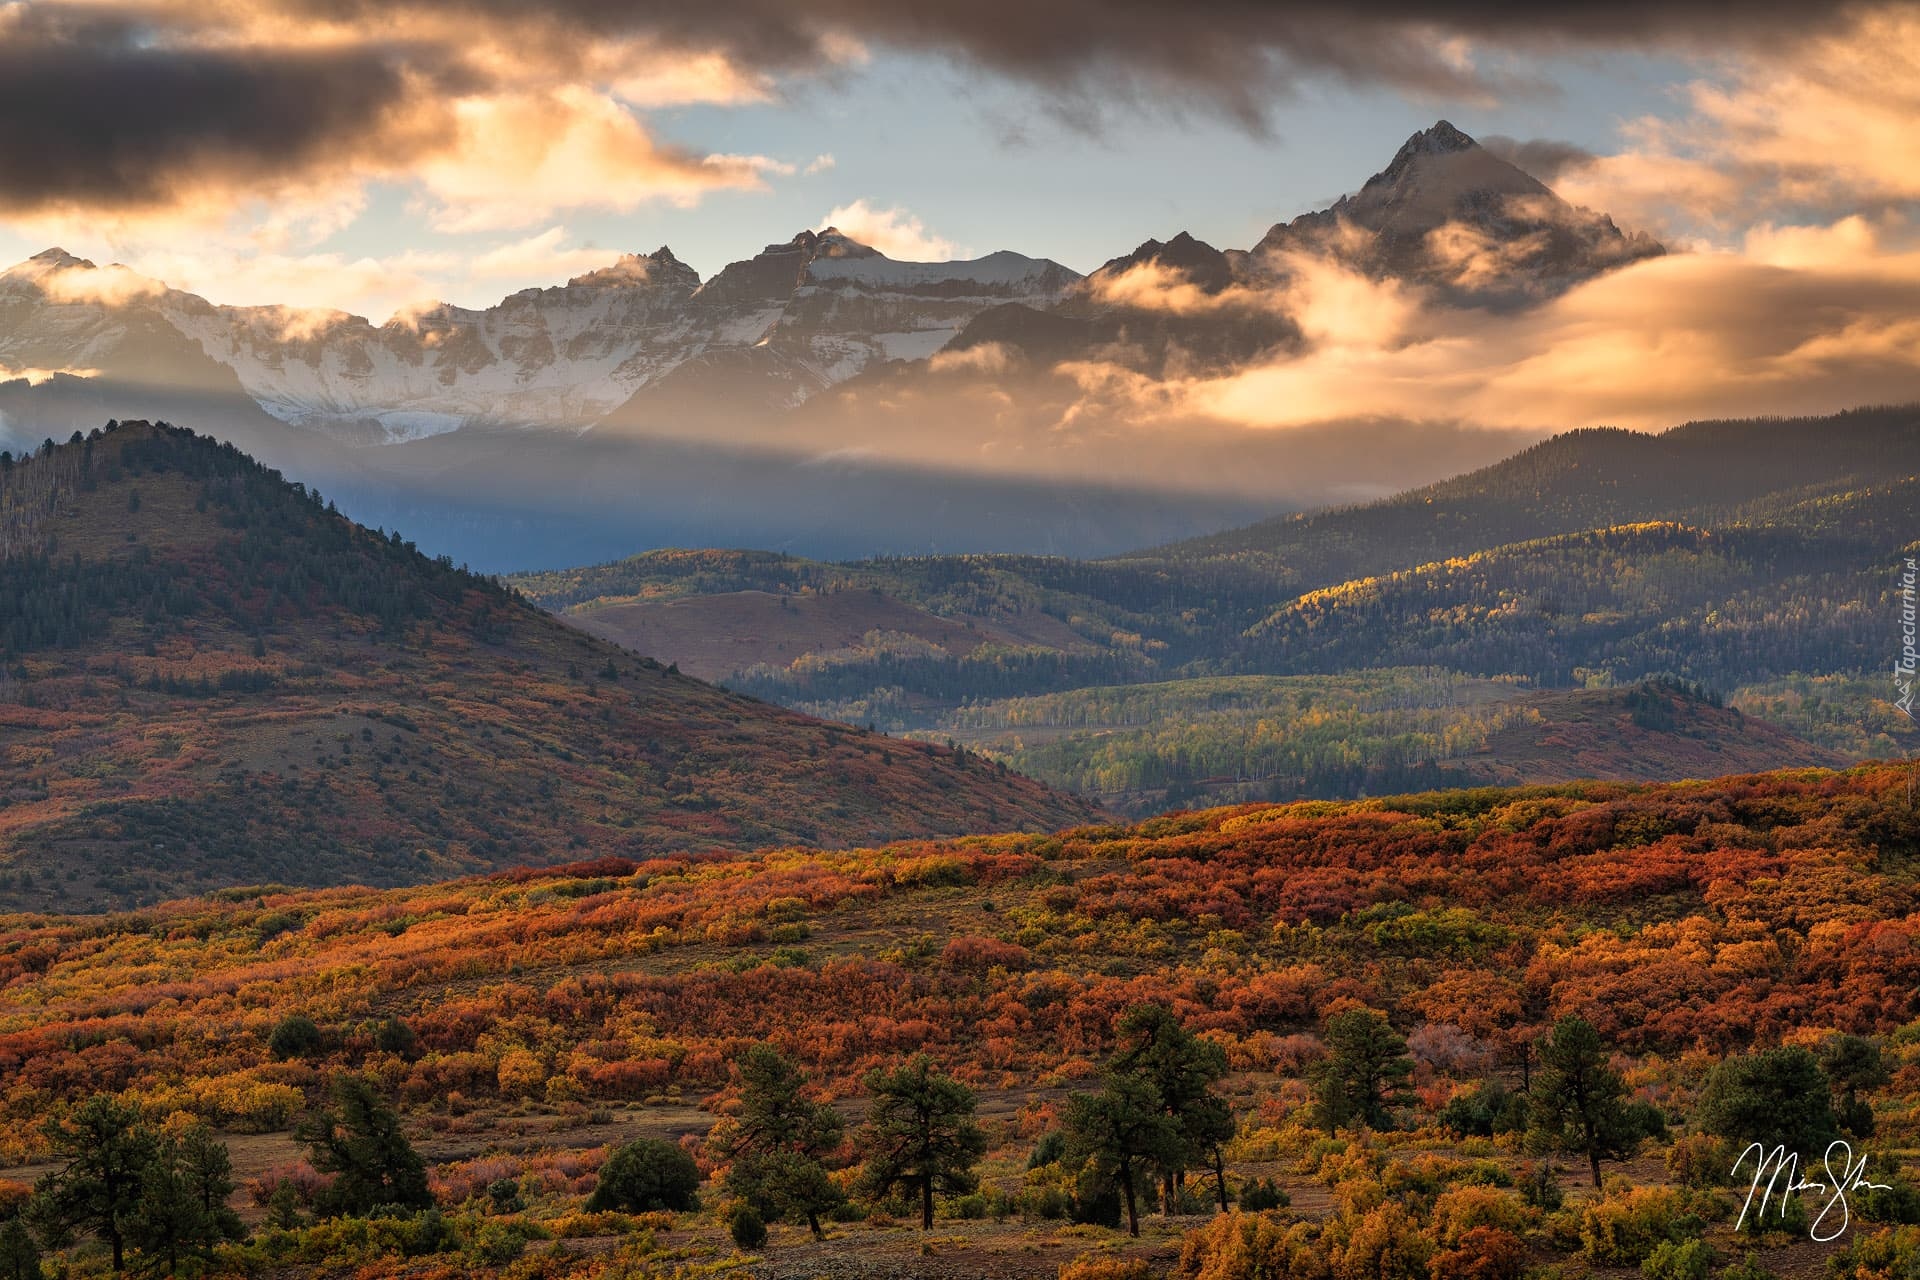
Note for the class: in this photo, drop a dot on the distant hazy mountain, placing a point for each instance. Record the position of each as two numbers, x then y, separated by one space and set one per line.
1353 648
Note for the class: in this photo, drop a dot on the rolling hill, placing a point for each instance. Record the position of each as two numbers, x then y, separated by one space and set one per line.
1737 555
212 678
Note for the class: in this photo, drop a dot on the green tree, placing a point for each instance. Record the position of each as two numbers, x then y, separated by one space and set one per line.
207 1167
295 1036
1579 1102
1123 1133
358 1140
920 1134
108 1150
1182 1068
746 1228
1854 1066
1364 1074
166 1219
395 1036
1777 1095
644 1176
19 1251
780 1141
183 1210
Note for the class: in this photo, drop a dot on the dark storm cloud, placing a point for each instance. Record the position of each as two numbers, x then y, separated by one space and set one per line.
107 123
1231 56
1543 158
138 108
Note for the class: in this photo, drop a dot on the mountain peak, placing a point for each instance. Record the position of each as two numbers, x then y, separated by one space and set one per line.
54 259
1441 140
1443 136
632 269
832 242
1198 261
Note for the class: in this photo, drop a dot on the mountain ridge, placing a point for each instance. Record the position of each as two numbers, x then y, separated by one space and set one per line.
561 355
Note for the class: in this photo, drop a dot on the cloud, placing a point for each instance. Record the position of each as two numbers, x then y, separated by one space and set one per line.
1219 55
34 377
118 126
1819 127
298 291
1155 286
985 358
1542 158
1803 319
541 257
165 116
111 286
152 105
894 232
515 159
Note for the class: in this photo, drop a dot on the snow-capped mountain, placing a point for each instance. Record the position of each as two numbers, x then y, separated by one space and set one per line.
646 346
1449 214
1462 225
801 316
558 356
816 396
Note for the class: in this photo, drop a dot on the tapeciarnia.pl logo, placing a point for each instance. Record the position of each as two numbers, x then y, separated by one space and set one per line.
1903 667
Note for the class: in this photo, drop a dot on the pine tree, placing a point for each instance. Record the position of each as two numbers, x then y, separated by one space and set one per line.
920 1134
1578 1101
1364 1074
108 1150
1182 1069
1122 1133
780 1142
358 1140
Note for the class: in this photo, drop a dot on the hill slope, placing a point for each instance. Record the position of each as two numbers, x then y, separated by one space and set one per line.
544 1016
210 678
1701 472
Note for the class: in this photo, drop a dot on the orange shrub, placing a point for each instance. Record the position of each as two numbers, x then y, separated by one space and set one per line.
1484 1253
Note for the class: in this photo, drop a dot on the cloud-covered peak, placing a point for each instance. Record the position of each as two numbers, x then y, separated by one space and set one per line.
58 259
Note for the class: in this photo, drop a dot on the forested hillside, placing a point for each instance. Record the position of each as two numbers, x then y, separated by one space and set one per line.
1732 555
209 678
1231 739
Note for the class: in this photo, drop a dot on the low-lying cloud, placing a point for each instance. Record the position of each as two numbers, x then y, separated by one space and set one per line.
894 231
1799 320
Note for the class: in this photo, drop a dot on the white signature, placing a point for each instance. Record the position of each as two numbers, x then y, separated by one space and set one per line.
1778 1164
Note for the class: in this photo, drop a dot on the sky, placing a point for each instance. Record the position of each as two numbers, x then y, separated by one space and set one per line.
311 153
367 154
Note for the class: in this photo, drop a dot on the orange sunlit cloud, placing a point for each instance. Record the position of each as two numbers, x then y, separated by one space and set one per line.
1802 320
